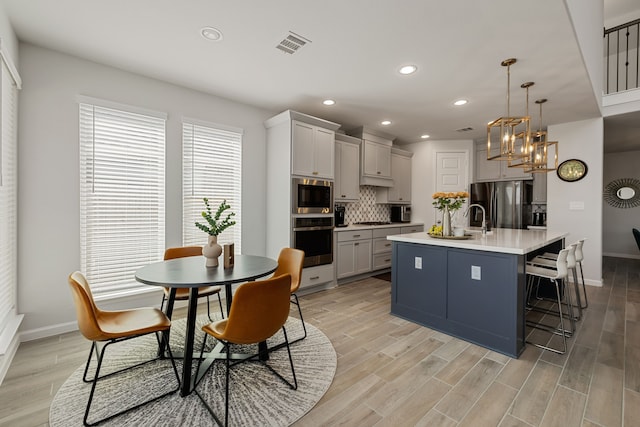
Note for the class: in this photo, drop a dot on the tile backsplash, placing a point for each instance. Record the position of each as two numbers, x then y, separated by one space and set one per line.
366 208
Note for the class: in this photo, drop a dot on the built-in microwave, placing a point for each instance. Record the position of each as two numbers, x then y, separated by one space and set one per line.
312 196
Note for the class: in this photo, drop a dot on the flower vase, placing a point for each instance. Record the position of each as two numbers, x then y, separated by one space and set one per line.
446 222
211 251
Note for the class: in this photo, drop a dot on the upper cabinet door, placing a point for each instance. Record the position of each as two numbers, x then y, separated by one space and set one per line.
376 159
347 168
302 149
312 151
324 153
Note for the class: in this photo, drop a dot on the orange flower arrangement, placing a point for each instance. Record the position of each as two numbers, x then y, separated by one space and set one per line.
451 200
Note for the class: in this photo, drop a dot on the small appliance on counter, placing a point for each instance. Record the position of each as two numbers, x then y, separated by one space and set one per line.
339 214
400 213
539 218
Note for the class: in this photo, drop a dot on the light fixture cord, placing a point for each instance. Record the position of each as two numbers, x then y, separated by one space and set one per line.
508 92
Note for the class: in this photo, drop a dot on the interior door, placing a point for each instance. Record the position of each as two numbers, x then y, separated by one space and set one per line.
452 174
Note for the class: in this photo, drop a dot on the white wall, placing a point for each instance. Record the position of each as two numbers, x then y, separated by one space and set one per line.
579 140
7 36
617 239
587 17
48 209
423 176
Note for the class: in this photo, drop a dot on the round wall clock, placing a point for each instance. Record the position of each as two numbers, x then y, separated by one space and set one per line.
572 170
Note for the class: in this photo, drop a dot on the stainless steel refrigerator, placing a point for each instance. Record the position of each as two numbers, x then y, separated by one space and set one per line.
507 203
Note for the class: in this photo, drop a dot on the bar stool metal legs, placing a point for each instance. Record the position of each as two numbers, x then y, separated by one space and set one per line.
556 276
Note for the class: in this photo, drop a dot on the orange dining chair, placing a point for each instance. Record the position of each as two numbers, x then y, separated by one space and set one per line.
290 262
182 294
110 327
258 310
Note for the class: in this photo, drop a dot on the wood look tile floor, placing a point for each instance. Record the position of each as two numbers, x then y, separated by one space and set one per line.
392 372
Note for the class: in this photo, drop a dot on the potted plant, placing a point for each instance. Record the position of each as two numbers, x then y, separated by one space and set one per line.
213 228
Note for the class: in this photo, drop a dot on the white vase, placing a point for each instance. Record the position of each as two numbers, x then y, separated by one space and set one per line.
211 251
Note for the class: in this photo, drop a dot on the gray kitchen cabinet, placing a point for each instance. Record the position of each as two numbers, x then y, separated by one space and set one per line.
400 193
382 248
405 229
313 149
540 188
312 276
495 170
347 165
353 253
376 160
280 156
375 157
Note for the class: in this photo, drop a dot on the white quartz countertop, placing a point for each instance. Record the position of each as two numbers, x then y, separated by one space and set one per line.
352 227
503 240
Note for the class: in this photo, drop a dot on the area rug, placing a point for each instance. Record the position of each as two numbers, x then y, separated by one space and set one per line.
257 396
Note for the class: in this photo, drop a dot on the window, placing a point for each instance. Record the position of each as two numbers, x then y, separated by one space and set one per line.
122 166
211 168
10 83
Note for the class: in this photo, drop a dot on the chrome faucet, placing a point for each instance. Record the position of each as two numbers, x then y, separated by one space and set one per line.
484 217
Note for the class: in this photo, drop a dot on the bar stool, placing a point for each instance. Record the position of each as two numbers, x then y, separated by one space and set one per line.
541 261
579 259
556 276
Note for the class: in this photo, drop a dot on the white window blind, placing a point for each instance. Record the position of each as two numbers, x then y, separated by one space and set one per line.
122 201
211 168
8 196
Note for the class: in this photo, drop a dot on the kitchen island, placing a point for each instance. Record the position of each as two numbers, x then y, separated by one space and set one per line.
472 289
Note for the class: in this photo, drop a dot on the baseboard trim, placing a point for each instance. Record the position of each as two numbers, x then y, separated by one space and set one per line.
48 331
617 255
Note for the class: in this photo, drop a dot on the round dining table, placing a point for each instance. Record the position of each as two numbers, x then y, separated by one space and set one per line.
191 272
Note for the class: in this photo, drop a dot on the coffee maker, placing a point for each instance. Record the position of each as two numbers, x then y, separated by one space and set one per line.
339 215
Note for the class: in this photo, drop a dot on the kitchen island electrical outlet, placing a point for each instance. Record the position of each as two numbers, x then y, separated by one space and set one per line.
418 263
476 272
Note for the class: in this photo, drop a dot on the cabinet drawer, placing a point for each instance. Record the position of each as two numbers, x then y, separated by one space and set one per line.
382 261
381 244
312 276
345 236
384 232
413 229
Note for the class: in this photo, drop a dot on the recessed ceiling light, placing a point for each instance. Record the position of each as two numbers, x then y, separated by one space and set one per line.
408 69
460 102
329 102
211 33
425 136
385 122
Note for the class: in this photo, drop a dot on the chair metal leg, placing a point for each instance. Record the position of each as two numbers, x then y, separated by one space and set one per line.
220 304
304 328
584 288
96 377
554 330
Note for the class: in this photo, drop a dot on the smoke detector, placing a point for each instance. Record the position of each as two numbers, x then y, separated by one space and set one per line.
292 42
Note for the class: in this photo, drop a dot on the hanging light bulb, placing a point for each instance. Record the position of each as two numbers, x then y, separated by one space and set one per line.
508 127
541 148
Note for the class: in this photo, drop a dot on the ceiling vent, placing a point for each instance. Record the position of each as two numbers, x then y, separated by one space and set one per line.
464 129
292 43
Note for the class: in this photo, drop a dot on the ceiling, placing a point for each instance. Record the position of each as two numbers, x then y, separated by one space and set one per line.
356 48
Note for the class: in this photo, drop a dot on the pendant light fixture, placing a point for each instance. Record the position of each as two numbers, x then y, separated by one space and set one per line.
523 141
508 127
542 149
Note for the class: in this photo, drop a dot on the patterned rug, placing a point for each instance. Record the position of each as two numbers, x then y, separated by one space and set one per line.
257 396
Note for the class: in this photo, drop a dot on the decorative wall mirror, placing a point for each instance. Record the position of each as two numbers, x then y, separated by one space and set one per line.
623 193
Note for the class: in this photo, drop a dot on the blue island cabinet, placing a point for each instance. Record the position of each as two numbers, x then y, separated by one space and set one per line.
474 295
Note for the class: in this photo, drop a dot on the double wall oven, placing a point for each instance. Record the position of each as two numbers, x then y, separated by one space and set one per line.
312 220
